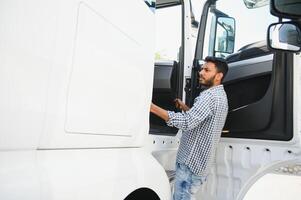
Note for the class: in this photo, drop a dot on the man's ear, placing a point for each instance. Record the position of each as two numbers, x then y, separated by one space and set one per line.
219 76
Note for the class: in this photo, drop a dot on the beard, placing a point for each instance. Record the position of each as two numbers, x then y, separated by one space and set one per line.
208 83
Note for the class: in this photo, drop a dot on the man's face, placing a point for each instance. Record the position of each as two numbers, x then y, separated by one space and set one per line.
208 73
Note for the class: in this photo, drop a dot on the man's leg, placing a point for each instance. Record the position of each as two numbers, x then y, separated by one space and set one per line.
186 183
195 184
180 182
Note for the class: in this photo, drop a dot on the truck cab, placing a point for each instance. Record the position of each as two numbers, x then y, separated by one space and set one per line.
262 130
77 78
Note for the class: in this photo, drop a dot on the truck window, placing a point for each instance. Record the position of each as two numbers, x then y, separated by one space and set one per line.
248 28
168 33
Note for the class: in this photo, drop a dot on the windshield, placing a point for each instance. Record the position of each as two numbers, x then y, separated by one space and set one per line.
251 24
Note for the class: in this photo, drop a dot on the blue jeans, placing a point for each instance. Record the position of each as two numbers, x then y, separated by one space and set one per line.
186 183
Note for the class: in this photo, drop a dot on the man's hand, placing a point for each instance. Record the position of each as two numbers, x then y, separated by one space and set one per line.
181 105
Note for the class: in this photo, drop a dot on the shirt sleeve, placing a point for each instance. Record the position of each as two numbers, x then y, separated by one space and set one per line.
190 119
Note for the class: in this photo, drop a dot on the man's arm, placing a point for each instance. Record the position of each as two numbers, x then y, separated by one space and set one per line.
160 112
188 120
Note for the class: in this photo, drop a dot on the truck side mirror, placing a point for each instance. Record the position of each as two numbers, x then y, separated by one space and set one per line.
225 36
284 36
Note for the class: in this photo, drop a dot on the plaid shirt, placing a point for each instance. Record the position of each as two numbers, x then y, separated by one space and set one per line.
201 129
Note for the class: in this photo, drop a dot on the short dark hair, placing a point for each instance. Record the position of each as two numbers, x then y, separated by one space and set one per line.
220 64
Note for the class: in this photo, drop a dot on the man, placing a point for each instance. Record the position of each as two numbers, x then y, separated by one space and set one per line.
201 128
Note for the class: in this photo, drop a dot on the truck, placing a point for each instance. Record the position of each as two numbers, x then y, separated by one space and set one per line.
78 76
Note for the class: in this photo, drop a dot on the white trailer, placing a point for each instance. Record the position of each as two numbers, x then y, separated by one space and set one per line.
76 81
